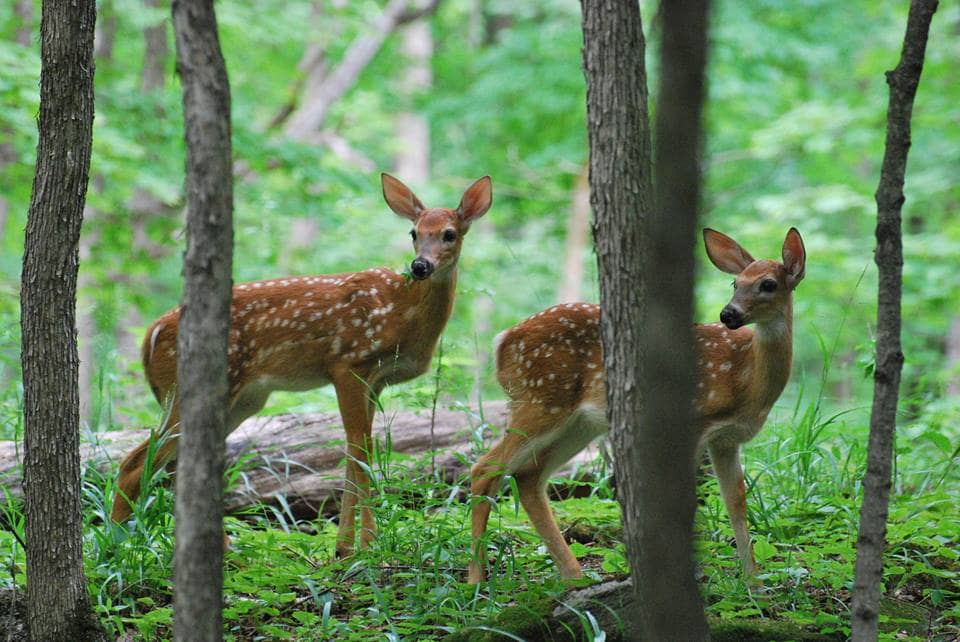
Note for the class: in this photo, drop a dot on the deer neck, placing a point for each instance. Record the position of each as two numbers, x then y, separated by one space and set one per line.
772 349
430 305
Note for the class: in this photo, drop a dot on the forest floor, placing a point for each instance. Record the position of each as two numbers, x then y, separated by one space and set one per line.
282 580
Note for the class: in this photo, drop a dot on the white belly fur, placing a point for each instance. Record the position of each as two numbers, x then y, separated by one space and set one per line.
558 446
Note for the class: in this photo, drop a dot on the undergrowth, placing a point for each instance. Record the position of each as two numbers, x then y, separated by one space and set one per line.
281 580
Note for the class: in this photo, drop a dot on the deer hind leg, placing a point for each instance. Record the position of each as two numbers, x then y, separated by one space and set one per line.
521 453
353 399
132 467
485 476
533 496
726 465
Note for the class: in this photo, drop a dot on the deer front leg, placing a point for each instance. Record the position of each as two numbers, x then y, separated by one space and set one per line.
353 398
726 464
485 478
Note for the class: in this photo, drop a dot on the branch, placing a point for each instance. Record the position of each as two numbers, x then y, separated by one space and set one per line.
412 15
309 117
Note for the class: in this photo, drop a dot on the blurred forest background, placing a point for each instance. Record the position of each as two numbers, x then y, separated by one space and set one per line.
328 93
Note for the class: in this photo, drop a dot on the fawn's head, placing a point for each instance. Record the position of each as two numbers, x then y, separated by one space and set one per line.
437 231
762 289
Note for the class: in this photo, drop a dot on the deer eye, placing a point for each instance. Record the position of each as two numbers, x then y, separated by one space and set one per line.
768 285
449 236
413 234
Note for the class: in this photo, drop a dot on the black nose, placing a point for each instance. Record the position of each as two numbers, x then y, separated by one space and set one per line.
731 317
421 268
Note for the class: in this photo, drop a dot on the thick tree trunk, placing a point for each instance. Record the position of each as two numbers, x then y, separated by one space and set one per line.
204 324
903 83
58 607
669 598
621 195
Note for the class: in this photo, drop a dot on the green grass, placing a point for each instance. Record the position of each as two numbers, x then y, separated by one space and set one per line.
282 581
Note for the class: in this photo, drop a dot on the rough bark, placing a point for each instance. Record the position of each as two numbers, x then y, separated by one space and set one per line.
670 601
204 324
903 82
58 607
621 191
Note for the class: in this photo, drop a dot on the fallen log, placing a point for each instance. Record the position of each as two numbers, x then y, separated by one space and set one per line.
296 461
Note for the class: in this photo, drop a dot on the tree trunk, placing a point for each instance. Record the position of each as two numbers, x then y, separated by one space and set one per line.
903 83
655 476
24 12
412 129
58 607
106 33
621 191
142 207
666 495
571 279
952 351
204 324
155 50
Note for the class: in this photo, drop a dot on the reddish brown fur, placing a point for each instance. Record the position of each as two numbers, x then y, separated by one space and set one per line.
359 331
551 367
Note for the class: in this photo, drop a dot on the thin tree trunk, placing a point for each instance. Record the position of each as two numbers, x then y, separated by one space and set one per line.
952 351
621 193
143 206
152 74
670 602
106 32
58 607
24 12
412 129
86 322
571 279
903 83
204 324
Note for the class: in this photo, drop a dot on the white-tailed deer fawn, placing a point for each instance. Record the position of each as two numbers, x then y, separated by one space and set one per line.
358 331
551 367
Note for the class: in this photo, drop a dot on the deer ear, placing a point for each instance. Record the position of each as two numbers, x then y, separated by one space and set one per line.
400 199
794 257
725 253
476 200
